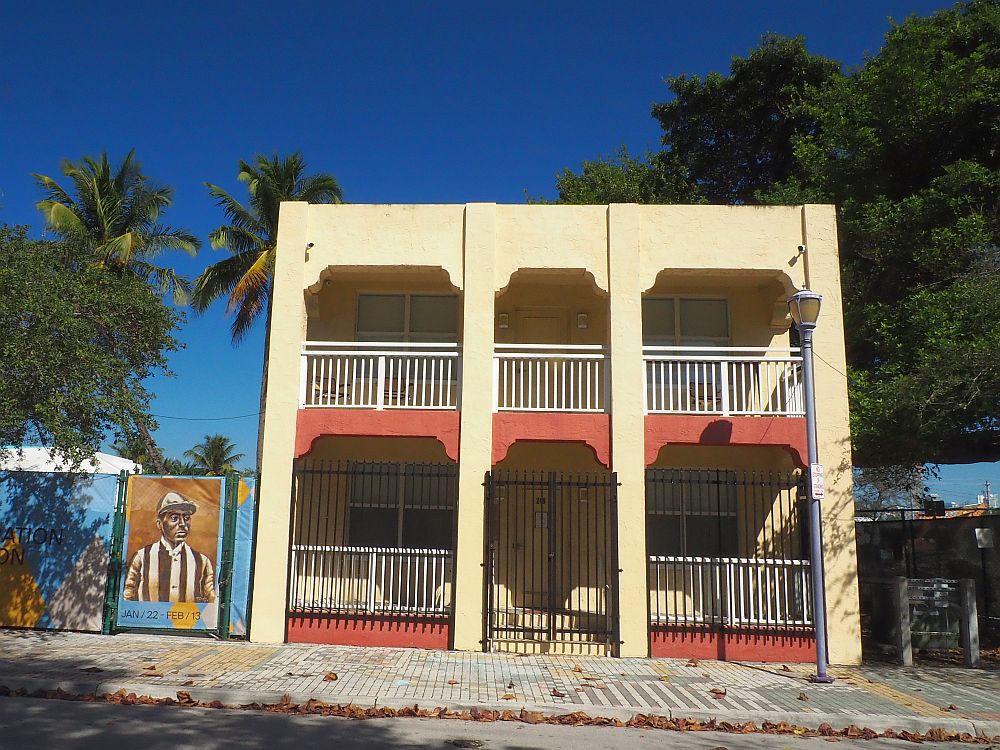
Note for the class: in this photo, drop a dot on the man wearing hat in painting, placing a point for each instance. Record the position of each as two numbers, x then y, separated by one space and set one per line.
169 570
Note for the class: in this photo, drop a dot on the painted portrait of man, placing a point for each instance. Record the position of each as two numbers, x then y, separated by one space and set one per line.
169 569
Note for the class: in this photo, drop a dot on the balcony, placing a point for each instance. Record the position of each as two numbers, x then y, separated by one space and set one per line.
379 375
550 378
727 381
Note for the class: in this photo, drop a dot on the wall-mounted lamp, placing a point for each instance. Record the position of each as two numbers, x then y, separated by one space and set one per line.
503 321
582 320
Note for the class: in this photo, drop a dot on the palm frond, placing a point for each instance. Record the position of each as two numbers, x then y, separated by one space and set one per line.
61 219
219 279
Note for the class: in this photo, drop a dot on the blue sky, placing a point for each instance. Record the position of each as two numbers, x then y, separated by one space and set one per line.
417 102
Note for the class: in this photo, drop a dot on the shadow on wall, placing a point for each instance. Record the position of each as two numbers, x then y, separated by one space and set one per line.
55 533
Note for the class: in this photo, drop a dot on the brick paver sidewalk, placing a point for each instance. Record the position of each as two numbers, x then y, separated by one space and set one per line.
879 696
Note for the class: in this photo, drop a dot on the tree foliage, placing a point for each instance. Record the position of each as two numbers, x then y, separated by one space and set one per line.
251 235
214 456
77 341
657 178
909 147
114 213
733 134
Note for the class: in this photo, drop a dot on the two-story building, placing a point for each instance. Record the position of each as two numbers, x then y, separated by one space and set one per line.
563 429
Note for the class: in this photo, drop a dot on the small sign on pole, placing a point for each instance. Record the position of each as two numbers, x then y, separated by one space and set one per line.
818 481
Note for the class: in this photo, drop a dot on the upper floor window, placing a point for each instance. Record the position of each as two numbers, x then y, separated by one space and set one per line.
407 317
685 321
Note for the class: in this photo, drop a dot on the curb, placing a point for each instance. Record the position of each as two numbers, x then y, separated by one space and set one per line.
236 698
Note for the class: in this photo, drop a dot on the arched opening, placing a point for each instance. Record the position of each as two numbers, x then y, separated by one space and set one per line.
552 566
373 539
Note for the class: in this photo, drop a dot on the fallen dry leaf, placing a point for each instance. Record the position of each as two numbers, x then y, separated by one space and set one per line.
452 682
91 669
693 662
330 677
186 684
507 697
785 668
152 673
577 668
718 693
557 694
803 697
951 707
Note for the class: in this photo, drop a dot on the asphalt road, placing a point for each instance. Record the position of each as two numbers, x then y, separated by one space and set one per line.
30 723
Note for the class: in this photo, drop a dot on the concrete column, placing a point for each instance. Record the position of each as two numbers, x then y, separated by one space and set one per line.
901 626
476 442
819 235
970 622
627 424
270 581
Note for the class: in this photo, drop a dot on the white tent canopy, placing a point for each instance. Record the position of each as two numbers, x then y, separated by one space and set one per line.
43 459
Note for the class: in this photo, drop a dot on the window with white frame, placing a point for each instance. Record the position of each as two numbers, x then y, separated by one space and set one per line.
408 507
407 317
685 321
693 518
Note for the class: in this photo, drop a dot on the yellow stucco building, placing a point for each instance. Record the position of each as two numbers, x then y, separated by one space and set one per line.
567 429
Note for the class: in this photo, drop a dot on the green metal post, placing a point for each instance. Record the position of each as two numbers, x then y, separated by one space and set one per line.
115 557
228 543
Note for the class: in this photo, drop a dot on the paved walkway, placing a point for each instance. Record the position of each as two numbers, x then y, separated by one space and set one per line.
880 697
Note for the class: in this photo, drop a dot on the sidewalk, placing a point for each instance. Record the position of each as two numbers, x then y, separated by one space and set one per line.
879 697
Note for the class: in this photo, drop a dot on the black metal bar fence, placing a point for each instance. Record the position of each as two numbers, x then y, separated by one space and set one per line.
372 538
727 549
551 558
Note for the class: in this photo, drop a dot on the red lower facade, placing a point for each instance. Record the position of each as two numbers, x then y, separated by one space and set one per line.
761 645
370 630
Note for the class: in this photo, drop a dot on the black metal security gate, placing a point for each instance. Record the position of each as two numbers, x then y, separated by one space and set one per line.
727 549
551 559
372 538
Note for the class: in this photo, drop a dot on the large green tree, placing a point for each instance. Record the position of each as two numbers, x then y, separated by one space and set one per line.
77 343
908 146
115 213
246 277
732 135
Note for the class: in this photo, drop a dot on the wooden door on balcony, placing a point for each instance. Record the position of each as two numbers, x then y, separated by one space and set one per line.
542 325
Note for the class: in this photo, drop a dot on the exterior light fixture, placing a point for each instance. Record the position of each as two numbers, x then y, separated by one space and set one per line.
582 321
503 321
804 307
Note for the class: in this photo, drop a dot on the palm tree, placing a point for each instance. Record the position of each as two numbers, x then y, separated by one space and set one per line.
179 468
115 213
214 456
133 448
251 237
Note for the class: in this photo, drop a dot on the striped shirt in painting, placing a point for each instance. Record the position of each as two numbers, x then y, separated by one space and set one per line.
158 573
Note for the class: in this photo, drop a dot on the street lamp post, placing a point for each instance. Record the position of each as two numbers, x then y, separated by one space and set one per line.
804 308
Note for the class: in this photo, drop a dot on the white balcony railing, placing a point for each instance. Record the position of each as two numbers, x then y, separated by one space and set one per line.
382 375
544 377
729 590
371 580
723 380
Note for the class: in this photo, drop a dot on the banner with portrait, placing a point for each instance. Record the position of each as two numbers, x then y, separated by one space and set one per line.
173 541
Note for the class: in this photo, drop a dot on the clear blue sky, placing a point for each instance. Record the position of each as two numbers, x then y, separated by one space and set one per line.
420 102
